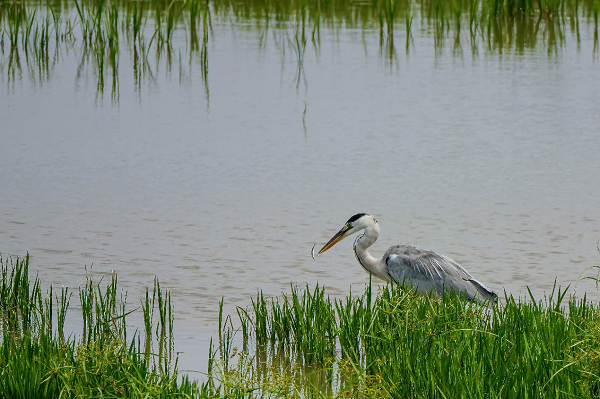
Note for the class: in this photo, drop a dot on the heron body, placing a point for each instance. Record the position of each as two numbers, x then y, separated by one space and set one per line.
408 265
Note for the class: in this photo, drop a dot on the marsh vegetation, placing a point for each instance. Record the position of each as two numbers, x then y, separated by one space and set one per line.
394 344
175 35
383 343
380 344
40 358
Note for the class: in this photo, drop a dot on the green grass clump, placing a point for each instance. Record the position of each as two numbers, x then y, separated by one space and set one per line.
401 345
37 359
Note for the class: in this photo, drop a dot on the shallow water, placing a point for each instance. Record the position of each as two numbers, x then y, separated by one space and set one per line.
489 158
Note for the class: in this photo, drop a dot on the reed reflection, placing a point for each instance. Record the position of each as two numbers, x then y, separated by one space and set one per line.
157 33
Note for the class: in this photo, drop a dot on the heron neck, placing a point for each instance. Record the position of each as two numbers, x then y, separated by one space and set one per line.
372 264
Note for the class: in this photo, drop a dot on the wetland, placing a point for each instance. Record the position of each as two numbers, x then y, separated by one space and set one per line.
211 144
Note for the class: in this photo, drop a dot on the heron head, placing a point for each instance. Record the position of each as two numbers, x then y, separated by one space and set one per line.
353 225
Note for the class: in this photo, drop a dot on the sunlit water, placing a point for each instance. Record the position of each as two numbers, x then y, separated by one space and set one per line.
489 158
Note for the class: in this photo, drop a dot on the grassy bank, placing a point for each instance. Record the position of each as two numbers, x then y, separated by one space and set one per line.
303 344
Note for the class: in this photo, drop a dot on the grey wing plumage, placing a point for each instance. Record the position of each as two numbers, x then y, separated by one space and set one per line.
427 270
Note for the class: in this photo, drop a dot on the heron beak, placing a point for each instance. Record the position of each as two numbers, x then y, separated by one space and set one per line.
335 239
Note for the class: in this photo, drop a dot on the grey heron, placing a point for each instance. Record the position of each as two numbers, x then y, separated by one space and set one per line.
406 264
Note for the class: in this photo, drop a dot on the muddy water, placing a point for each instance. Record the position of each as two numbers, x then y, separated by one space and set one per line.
488 158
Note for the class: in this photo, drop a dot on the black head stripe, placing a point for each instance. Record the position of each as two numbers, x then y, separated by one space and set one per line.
356 217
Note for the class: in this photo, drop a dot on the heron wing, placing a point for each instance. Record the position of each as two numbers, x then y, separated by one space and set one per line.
427 270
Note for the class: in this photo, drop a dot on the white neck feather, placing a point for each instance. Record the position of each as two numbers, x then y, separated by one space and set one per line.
371 264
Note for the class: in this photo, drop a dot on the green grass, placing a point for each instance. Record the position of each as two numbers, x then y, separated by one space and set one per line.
401 345
385 344
37 359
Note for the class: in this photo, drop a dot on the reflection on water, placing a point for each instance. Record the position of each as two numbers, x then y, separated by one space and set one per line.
176 35
97 31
